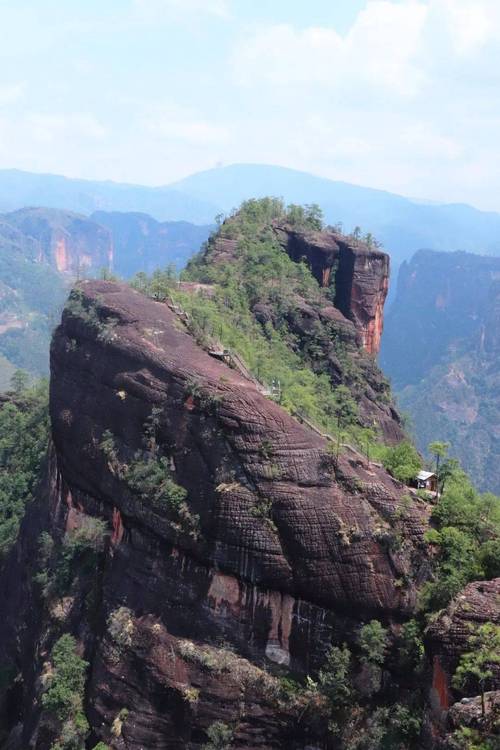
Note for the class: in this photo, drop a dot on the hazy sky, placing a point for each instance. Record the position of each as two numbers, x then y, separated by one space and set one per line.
395 94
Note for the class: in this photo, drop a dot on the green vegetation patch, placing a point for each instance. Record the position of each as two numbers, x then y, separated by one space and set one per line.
24 432
63 694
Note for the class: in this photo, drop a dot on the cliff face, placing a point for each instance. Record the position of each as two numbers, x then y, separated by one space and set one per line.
343 323
358 273
448 637
441 298
273 555
42 250
68 242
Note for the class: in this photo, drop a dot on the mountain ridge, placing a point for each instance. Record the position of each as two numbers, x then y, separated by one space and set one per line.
402 224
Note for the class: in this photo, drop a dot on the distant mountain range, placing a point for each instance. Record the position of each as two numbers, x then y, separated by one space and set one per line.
401 224
441 349
20 189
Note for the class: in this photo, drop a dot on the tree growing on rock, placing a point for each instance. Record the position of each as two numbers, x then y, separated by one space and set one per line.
373 642
439 450
476 667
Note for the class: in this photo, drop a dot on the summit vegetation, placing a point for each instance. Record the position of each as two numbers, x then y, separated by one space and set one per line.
261 275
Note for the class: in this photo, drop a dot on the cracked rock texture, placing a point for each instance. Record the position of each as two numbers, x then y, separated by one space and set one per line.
290 553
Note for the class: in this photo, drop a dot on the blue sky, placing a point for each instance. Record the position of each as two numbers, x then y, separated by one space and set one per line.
400 95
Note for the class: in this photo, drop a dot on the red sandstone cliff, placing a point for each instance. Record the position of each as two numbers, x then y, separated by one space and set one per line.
359 273
289 554
346 317
448 637
69 242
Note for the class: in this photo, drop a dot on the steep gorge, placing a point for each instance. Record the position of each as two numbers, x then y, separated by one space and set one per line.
441 348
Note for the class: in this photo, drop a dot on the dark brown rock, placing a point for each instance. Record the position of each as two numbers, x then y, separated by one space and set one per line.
332 550
347 315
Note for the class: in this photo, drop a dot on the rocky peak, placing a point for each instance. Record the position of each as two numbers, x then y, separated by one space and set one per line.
336 328
358 273
214 423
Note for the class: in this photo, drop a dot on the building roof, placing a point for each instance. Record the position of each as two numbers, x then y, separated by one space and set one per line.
423 476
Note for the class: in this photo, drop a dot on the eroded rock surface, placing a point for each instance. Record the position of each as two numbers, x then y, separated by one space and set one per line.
449 634
70 243
288 553
359 273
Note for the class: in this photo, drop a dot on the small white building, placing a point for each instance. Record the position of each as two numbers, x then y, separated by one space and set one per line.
427 480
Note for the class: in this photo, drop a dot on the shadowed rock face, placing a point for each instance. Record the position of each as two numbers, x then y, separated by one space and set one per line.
448 635
289 553
359 273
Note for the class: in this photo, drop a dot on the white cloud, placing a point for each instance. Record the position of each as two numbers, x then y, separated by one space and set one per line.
170 122
158 10
197 132
468 24
421 139
47 128
405 99
377 51
11 93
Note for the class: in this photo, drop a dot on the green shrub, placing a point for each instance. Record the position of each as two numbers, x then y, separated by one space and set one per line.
63 696
121 628
24 432
476 667
467 537
334 676
220 736
79 552
402 461
411 646
152 480
373 641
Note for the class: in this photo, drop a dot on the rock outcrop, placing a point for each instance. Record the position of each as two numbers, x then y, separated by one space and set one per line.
275 553
477 604
448 638
358 273
344 324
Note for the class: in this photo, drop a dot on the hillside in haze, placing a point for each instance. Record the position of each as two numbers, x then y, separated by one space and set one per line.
142 243
441 348
43 250
19 189
402 225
